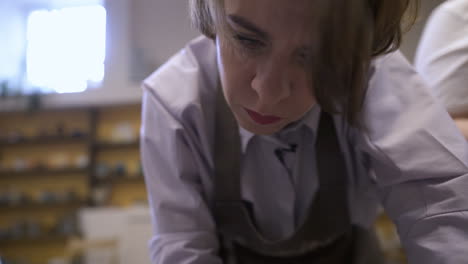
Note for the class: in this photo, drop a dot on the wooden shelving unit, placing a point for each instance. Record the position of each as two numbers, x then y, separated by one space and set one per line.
117 145
63 172
45 140
31 139
34 240
41 206
120 179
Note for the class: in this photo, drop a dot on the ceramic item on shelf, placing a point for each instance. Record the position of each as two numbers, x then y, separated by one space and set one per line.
120 169
38 164
4 198
63 228
4 234
47 197
82 161
26 198
71 196
77 133
42 133
59 160
18 230
100 195
14 196
123 132
32 228
15 136
67 225
20 164
60 129
101 171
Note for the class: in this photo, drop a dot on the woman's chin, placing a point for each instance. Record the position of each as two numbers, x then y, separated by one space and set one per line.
259 129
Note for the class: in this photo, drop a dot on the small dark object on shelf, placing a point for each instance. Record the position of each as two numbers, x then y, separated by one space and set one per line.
48 197
77 133
71 196
120 169
102 171
15 136
60 129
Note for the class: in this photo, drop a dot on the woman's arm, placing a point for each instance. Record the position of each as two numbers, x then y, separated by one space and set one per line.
420 161
184 231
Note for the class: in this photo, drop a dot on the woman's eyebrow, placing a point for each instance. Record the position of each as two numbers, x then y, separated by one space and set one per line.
246 24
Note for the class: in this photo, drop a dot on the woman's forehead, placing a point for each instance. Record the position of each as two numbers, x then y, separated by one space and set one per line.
271 8
274 17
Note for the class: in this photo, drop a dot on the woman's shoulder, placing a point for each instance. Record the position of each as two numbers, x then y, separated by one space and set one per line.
180 96
392 72
395 92
187 81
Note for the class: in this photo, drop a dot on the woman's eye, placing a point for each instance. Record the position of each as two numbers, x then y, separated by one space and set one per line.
248 42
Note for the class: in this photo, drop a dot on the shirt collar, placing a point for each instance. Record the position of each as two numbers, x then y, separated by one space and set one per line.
309 120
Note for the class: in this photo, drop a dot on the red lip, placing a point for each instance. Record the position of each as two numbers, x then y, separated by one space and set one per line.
262 119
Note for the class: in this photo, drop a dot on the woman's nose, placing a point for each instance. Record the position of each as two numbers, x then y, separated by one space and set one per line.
272 83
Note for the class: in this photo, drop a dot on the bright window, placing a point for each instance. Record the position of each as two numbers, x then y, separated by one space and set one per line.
66 48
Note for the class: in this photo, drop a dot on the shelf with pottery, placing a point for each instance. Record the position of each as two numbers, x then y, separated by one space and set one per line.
121 179
117 177
118 145
44 140
50 162
42 206
42 171
36 239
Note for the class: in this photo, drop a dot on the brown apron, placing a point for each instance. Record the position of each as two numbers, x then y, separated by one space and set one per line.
326 236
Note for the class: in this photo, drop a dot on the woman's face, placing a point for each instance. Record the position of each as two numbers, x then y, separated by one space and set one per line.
263 60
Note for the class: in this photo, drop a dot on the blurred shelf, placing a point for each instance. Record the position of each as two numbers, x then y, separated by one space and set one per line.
42 239
30 173
46 140
118 145
136 178
41 206
119 179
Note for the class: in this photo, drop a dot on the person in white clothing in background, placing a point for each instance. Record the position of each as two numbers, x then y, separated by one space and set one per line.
442 58
274 137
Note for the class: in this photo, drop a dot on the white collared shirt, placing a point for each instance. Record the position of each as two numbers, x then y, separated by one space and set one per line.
411 158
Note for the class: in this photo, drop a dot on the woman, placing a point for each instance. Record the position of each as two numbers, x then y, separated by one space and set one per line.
273 138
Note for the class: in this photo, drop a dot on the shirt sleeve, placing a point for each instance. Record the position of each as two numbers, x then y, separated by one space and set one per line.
442 56
419 158
184 230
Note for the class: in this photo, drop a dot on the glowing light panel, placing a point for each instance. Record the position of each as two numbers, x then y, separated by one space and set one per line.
66 48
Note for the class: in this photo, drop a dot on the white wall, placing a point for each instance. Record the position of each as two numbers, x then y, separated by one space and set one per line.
159 29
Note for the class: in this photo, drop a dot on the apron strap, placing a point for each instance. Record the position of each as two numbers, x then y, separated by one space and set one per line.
227 150
328 216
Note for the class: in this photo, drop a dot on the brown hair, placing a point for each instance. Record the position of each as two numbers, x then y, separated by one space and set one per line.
351 34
